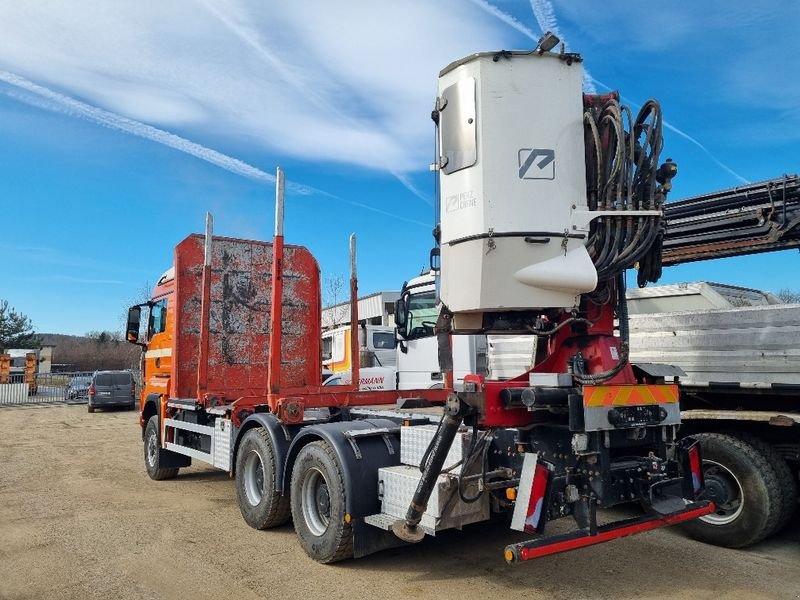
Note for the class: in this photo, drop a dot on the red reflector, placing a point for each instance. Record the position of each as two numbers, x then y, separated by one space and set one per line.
696 468
530 510
536 505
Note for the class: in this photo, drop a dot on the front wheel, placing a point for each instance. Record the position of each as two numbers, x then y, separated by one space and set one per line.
745 490
154 454
318 504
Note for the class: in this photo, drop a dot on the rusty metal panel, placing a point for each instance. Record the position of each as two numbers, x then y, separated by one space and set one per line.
237 359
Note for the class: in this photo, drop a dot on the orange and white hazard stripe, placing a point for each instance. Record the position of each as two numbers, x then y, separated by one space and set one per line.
629 395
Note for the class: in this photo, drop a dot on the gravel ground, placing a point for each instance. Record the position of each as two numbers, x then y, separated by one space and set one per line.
80 519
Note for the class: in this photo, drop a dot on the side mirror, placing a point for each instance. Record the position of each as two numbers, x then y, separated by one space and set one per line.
132 328
400 316
436 259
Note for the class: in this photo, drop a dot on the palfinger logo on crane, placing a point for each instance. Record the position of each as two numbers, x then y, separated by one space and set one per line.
629 395
531 168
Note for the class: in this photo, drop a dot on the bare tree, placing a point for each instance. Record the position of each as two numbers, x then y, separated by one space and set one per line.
97 350
334 296
789 296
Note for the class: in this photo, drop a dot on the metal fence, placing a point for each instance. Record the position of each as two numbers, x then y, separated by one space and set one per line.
51 388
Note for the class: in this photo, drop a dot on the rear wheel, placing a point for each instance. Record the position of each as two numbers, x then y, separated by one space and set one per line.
786 479
154 454
262 506
745 489
90 408
318 504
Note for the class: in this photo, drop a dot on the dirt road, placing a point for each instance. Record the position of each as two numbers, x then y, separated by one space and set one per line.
80 519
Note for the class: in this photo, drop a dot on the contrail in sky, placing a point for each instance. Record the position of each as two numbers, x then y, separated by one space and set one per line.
505 18
250 38
684 135
142 130
51 100
546 18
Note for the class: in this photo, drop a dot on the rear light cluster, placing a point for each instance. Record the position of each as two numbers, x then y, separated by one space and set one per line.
133 391
91 390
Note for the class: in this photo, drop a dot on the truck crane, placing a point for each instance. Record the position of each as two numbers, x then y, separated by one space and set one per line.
739 391
547 197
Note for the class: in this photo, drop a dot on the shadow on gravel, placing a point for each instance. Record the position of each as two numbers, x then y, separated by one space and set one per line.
204 475
668 561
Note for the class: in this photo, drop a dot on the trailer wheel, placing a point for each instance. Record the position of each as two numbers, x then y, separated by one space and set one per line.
153 453
318 504
262 506
786 479
745 489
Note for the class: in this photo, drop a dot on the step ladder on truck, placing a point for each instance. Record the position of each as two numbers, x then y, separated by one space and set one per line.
233 363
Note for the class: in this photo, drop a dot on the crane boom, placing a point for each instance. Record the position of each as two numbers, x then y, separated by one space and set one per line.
751 219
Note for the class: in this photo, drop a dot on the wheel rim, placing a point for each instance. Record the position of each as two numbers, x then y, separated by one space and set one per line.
724 489
254 478
316 501
152 448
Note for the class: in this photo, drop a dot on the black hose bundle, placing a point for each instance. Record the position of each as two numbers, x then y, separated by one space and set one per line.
623 175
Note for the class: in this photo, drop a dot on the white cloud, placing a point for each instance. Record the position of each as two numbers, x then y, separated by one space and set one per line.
349 82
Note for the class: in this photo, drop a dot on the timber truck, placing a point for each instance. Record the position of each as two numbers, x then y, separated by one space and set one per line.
547 197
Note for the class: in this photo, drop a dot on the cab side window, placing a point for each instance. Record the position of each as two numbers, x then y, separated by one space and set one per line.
158 317
327 348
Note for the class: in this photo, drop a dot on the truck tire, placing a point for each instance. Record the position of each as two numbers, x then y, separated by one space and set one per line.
318 504
786 479
744 486
153 452
261 505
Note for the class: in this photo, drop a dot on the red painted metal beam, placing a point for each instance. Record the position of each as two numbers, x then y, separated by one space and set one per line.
523 551
205 311
335 396
355 354
276 305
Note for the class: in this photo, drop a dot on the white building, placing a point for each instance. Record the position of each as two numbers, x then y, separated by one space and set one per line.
374 309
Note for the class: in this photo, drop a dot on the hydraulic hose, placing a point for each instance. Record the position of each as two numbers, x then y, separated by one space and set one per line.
622 156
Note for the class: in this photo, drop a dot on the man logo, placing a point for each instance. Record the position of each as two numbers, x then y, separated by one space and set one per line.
537 163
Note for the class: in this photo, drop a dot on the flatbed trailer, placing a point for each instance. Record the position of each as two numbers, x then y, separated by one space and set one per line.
740 397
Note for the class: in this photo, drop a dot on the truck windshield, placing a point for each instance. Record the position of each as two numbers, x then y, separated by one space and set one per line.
422 314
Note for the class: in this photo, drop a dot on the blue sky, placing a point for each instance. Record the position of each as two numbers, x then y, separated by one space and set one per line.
122 122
